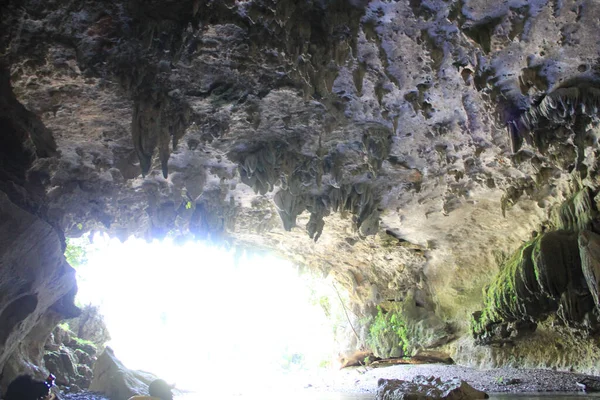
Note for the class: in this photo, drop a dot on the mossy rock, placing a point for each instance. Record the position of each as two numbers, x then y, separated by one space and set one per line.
543 277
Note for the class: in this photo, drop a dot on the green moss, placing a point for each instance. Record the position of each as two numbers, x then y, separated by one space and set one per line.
504 297
64 326
84 342
542 274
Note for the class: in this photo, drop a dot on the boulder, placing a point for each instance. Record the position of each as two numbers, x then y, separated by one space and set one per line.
85 375
116 381
88 348
62 365
90 326
432 357
426 388
84 358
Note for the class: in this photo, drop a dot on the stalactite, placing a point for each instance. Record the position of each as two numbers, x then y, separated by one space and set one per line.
562 106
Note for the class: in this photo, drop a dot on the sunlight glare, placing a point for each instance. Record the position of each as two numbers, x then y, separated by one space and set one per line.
193 312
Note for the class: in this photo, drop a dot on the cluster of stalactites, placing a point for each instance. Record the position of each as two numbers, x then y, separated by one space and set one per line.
157 119
577 213
356 199
561 107
302 187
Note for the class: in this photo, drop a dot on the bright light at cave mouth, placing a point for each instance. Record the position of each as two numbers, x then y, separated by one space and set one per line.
201 317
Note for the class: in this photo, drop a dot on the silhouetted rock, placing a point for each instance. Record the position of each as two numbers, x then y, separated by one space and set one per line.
116 381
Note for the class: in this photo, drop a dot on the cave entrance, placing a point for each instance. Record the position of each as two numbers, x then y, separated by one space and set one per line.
194 313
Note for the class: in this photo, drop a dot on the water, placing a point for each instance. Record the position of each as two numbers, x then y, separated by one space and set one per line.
302 395
308 395
313 395
543 396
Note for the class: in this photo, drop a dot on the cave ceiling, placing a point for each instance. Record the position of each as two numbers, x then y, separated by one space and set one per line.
391 144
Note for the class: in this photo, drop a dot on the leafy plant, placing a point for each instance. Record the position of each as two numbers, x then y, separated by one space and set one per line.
388 335
75 253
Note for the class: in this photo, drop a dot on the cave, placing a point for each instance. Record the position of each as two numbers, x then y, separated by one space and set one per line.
434 160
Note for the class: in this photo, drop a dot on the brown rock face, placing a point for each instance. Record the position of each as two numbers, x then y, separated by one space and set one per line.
364 139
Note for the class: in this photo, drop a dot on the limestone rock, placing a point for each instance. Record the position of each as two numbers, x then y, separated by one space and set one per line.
545 276
427 388
34 276
69 357
117 382
90 326
589 248
62 365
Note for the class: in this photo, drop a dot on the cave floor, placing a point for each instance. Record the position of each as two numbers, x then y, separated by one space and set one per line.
501 380
359 383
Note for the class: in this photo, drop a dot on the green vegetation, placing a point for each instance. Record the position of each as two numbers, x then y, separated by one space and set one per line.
84 342
64 326
325 305
388 333
75 253
530 284
502 298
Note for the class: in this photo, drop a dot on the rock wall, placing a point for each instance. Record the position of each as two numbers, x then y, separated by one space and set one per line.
71 358
37 285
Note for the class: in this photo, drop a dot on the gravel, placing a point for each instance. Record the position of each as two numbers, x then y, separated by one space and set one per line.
509 380
83 396
357 380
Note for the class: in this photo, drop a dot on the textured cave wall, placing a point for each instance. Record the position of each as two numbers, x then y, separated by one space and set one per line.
37 285
366 140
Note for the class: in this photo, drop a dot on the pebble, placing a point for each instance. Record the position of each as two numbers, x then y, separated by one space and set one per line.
83 396
500 380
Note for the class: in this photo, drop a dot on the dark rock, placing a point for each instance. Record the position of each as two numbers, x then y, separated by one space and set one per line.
423 388
62 365
83 357
432 357
24 387
589 385
116 381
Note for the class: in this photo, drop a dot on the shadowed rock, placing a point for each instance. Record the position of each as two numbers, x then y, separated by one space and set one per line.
427 388
563 106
